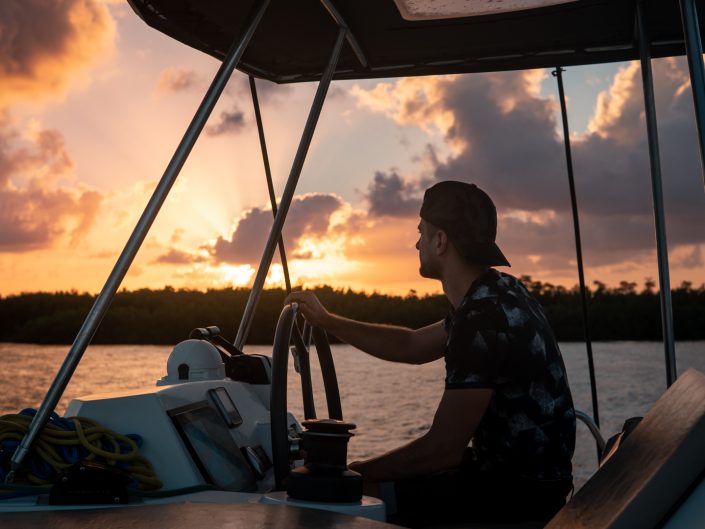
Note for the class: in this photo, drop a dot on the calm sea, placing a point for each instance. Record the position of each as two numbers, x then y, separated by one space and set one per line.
391 404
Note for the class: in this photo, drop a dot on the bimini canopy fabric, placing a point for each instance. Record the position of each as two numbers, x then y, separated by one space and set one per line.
294 39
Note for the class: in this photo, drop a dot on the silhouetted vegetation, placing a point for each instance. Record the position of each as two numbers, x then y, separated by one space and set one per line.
167 316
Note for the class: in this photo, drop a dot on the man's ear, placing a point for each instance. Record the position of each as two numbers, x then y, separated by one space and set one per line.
441 242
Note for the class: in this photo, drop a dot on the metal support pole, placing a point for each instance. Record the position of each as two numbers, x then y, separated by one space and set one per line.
694 51
289 189
268 174
656 188
102 302
558 74
352 41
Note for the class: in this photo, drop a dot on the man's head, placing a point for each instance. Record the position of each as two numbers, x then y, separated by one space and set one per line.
469 219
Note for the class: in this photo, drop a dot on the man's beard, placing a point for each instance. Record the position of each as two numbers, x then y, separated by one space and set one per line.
429 271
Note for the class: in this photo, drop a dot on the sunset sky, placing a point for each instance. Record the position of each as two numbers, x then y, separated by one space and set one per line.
93 103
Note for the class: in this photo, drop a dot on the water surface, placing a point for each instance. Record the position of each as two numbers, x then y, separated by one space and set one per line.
390 403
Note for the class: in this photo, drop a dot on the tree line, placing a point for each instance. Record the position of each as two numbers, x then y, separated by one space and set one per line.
167 316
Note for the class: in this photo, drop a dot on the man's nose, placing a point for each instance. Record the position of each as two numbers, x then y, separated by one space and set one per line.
417 245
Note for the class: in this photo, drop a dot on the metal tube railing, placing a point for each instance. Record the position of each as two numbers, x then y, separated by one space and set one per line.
657 192
287 196
694 51
268 175
558 74
102 302
350 37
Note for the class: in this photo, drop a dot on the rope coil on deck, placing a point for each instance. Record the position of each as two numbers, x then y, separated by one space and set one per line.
66 441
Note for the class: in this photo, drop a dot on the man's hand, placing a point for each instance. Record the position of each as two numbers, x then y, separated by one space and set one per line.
388 342
312 309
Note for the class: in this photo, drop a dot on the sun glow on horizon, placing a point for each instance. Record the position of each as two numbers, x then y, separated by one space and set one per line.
235 275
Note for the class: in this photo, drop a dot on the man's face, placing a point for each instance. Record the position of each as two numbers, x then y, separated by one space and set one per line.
428 266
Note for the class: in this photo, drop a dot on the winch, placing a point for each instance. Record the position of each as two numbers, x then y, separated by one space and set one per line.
325 476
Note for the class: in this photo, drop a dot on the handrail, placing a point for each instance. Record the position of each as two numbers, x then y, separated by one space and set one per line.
694 51
352 41
558 74
594 430
268 176
288 195
657 195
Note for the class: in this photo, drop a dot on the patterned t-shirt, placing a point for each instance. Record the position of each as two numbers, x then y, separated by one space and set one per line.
499 338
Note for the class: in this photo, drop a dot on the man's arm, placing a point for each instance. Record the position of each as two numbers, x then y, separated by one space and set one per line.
388 342
441 448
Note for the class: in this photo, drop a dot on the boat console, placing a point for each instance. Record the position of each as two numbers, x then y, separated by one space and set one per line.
209 438
200 432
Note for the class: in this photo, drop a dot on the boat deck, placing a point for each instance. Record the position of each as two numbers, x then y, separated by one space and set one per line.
188 516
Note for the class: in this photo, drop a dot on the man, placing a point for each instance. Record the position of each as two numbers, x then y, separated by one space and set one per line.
506 388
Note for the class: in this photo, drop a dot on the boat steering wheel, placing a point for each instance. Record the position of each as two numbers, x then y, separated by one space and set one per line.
286 330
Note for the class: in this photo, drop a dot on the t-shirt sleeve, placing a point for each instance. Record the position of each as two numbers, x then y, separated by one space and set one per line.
476 349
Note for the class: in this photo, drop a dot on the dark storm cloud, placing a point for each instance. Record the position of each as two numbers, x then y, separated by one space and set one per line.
309 215
229 122
512 150
389 195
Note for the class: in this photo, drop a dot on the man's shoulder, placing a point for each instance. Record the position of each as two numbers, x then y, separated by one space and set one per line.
499 288
510 298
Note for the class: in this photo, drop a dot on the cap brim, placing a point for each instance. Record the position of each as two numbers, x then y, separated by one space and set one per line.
484 253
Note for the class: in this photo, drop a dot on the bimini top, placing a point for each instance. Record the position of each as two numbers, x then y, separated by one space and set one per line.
419 37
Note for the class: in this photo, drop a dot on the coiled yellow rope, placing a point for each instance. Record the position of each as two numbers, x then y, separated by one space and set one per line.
88 434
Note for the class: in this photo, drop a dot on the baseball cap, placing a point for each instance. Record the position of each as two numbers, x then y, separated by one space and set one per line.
468 215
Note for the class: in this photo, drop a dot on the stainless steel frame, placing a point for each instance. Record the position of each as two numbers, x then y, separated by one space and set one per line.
657 192
99 308
558 74
288 195
350 37
594 430
694 51
268 175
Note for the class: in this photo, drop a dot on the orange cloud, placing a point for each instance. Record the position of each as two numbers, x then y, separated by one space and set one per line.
410 101
311 216
179 80
35 211
44 45
613 105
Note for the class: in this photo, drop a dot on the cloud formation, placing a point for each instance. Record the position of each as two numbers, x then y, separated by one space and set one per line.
44 45
311 216
36 212
229 122
174 80
177 257
506 142
388 194
233 120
